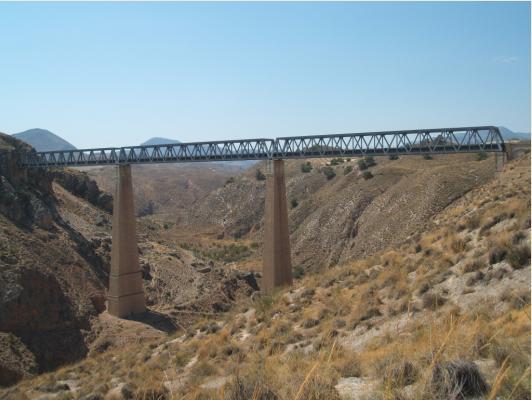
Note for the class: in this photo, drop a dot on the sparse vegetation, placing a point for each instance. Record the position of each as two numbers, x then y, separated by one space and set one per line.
348 169
328 172
294 203
482 156
366 163
433 300
259 175
306 167
473 266
367 175
427 157
298 272
337 161
393 157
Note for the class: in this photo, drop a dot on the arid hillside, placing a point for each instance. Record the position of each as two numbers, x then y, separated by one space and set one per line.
443 315
55 242
343 209
165 189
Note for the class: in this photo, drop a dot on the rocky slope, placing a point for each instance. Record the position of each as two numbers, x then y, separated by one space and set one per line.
348 216
51 279
442 315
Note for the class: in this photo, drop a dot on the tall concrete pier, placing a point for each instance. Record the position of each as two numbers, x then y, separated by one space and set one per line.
126 294
276 263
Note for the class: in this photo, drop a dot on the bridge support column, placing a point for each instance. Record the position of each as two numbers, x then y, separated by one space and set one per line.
126 294
501 158
276 263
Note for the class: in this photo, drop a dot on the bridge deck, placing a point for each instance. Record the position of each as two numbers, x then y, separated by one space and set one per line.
412 142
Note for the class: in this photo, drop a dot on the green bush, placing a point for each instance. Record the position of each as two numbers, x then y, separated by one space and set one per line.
228 253
482 156
427 157
337 161
367 175
259 175
299 271
370 161
366 162
348 169
329 173
294 203
393 157
306 167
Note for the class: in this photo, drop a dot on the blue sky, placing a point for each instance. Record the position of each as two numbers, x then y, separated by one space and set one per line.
114 74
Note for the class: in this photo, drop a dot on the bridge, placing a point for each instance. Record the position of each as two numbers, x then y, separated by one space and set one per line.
126 293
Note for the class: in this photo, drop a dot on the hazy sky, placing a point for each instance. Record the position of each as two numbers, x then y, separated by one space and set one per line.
110 74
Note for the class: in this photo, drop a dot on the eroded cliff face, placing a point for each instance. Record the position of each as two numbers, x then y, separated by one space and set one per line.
52 279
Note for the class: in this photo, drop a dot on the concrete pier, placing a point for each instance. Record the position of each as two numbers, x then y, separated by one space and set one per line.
126 293
276 263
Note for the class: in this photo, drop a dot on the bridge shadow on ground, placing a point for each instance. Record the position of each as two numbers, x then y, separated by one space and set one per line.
156 320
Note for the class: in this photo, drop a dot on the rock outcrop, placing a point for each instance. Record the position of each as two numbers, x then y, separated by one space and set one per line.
50 274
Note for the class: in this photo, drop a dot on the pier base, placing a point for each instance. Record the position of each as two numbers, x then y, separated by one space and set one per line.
126 293
277 265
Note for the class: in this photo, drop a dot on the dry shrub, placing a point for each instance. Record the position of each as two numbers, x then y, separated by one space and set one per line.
245 388
494 221
518 255
400 374
516 384
497 254
459 245
456 380
517 298
347 365
473 266
201 370
319 388
433 300
473 222
156 392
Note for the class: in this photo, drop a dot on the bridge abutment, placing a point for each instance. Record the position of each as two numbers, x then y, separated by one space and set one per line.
126 293
276 263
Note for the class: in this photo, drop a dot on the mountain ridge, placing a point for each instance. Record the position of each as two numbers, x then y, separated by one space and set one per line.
43 140
159 140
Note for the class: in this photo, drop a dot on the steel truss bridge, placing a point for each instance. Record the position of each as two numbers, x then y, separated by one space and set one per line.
410 142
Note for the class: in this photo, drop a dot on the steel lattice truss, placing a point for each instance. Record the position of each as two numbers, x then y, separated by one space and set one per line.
426 141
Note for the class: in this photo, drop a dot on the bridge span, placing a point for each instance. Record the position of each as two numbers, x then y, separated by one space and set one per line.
126 293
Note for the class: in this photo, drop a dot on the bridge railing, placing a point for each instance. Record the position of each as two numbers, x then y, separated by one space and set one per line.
427 141
228 150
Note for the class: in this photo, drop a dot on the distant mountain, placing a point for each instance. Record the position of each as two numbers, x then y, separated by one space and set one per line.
43 140
507 134
159 140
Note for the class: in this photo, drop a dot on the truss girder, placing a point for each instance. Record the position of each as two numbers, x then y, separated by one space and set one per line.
426 141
